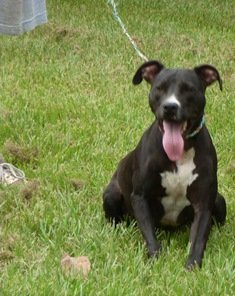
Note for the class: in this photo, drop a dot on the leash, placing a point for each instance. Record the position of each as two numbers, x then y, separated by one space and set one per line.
119 20
141 55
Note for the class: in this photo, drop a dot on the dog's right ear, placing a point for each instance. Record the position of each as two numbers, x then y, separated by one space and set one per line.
148 71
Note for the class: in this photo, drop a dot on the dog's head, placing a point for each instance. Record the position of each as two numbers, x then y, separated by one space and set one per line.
177 98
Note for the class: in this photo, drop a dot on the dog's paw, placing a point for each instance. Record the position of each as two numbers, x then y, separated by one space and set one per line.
155 251
192 264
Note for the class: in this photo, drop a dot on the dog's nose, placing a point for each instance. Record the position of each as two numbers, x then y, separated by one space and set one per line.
170 108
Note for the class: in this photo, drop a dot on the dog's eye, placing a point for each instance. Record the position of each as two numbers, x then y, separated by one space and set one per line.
185 87
160 88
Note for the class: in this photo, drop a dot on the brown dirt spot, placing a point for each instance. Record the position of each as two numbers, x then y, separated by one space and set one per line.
59 32
30 189
77 184
21 153
5 256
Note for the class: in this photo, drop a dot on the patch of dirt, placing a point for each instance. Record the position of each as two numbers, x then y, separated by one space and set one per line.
6 255
77 184
21 153
6 249
60 32
31 188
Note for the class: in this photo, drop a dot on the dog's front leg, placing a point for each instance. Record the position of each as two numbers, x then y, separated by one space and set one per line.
145 223
198 237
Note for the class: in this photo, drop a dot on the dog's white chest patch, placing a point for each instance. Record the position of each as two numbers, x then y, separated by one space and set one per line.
175 184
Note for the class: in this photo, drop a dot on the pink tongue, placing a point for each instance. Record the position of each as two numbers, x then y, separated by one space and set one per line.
173 142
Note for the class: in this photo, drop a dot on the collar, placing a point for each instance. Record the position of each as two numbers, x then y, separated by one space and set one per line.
197 130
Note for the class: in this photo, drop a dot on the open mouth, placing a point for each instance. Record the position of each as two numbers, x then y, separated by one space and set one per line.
173 140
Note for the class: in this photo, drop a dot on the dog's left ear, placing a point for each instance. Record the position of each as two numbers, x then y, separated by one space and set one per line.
148 71
208 75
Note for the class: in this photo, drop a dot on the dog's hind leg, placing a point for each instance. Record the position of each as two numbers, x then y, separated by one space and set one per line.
113 202
219 211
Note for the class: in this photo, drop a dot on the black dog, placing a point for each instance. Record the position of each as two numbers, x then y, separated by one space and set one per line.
170 178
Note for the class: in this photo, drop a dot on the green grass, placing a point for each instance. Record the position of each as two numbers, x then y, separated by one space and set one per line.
66 93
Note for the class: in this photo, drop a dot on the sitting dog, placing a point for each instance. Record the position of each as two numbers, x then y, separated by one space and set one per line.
170 178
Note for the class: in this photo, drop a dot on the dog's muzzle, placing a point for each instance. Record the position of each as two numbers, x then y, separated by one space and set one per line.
171 111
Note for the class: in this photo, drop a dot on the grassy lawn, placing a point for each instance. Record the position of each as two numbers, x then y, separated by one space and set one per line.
69 112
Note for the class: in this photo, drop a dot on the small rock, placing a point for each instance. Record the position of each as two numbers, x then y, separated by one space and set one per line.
75 266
